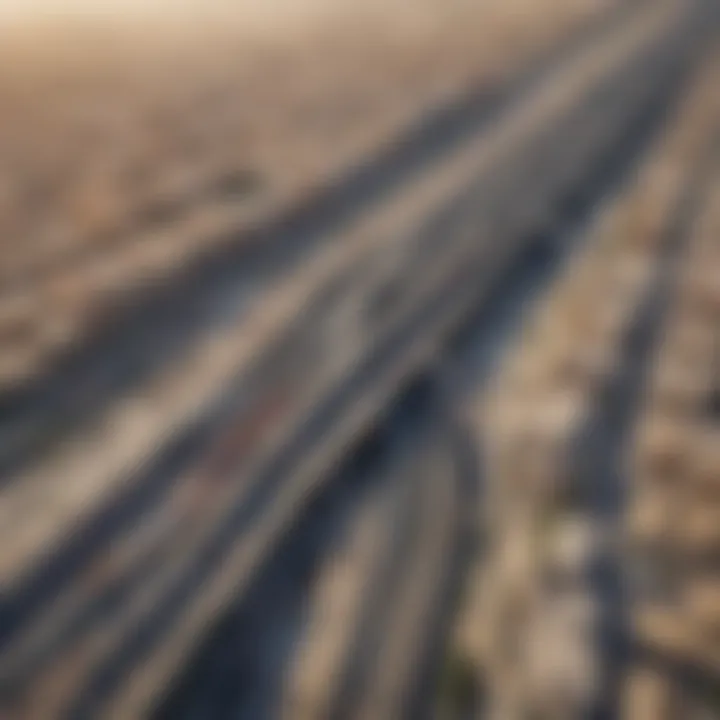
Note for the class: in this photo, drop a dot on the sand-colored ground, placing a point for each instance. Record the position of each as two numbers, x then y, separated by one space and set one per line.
130 142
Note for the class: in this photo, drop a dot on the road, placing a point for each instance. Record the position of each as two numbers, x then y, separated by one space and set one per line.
100 618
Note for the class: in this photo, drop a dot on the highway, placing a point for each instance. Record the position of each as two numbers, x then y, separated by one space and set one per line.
99 616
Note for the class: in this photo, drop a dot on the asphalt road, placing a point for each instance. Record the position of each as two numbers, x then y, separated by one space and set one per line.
210 512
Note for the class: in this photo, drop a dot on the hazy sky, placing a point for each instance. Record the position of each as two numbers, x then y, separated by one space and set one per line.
40 7
256 16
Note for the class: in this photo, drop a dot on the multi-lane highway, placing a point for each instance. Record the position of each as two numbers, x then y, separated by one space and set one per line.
174 496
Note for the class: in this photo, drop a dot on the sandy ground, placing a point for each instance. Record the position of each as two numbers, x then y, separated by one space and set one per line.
129 141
